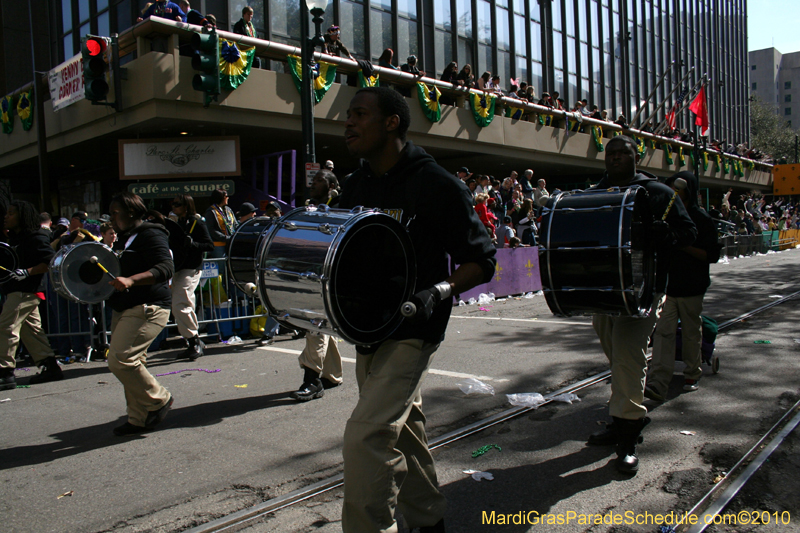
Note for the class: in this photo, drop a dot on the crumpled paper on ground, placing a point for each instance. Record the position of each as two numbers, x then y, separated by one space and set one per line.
477 475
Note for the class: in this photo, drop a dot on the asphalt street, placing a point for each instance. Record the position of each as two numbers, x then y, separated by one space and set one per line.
234 439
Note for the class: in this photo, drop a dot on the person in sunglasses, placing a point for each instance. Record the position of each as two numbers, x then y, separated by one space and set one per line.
187 275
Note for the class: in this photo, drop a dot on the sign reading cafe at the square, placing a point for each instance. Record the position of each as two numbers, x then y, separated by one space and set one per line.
190 157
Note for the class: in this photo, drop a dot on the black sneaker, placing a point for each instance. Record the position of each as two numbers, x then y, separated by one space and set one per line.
128 429
196 348
154 418
50 372
328 384
309 391
7 379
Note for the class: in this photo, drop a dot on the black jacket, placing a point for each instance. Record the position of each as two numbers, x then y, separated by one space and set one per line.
32 249
689 276
444 224
682 229
241 29
201 242
148 250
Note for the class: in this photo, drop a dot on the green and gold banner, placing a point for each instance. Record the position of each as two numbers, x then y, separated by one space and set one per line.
371 81
326 72
681 158
7 107
429 101
235 62
514 113
668 154
597 135
641 148
482 105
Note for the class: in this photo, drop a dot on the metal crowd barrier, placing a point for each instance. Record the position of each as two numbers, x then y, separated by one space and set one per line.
84 329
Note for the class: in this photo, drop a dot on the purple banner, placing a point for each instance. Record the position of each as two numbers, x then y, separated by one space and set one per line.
517 272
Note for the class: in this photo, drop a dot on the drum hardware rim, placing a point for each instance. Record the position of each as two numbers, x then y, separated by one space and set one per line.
276 271
619 241
549 230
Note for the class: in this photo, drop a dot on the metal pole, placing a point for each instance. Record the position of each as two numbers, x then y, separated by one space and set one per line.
307 103
662 104
45 201
647 101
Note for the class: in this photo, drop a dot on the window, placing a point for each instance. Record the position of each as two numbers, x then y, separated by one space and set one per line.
752 67
787 98
787 85
754 86
787 111
81 17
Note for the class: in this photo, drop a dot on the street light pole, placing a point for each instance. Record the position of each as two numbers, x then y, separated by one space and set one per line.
307 46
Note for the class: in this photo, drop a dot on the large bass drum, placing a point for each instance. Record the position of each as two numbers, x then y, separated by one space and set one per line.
338 272
243 250
74 276
593 254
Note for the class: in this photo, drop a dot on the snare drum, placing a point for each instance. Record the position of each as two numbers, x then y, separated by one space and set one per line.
243 250
337 272
593 254
75 277
8 260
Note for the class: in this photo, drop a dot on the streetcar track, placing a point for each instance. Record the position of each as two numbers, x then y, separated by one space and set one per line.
240 518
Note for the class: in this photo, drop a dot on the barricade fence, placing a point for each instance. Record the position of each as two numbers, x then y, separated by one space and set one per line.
742 245
82 330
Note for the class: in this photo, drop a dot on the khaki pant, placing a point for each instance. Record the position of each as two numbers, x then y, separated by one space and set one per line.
132 331
624 340
184 283
322 355
387 463
688 310
20 318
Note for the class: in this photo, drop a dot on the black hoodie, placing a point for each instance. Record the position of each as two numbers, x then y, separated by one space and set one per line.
444 223
689 276
32 249
682 229
145 247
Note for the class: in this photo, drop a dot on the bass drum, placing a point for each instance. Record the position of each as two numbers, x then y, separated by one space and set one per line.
243 250
9 262
593 253
75 277
338 272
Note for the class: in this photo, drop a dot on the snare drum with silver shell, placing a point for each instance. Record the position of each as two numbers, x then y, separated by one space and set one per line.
338 272
74 276
243 250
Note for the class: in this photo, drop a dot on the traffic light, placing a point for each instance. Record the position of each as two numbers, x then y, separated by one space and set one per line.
95 66
206 60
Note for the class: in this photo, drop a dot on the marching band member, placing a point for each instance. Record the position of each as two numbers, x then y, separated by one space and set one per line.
141 310
24 291
186 280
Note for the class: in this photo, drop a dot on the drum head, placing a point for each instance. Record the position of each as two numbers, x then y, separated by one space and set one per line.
8 260
373 276
76 277
244 248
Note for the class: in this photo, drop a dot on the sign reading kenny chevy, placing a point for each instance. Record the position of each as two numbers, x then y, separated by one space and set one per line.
195 157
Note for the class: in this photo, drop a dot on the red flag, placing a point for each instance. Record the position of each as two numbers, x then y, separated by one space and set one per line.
671 119
699 108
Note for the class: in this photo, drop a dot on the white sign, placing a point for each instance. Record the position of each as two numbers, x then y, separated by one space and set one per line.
311 170
171 158
210 269
66 83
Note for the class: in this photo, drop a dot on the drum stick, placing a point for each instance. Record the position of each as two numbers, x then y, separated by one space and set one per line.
192 228
94 260
4 268
669 206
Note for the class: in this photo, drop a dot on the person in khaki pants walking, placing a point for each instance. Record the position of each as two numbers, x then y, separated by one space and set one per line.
23 290
387 463
141 309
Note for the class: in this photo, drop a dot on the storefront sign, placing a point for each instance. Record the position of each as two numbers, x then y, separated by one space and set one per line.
197 189
169 158
66 83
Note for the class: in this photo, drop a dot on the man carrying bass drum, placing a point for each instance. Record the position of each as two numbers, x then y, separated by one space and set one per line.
187 275
23 290
141 310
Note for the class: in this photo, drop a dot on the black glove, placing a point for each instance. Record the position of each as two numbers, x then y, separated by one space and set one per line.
661 233
19 274
425 301
188 241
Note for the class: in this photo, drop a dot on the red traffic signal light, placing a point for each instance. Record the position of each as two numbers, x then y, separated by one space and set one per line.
95 46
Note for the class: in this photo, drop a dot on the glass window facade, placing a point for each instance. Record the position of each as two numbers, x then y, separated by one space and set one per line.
612 52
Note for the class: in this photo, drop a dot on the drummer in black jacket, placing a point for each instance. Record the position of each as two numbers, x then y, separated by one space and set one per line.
387 463
187 275
23 290
623 338
141 310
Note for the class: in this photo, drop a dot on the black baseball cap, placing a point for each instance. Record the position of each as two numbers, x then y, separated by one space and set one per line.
81 215
273 206
245 209
463 169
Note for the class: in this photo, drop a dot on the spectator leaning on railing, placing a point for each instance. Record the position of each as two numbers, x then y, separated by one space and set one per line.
163 9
